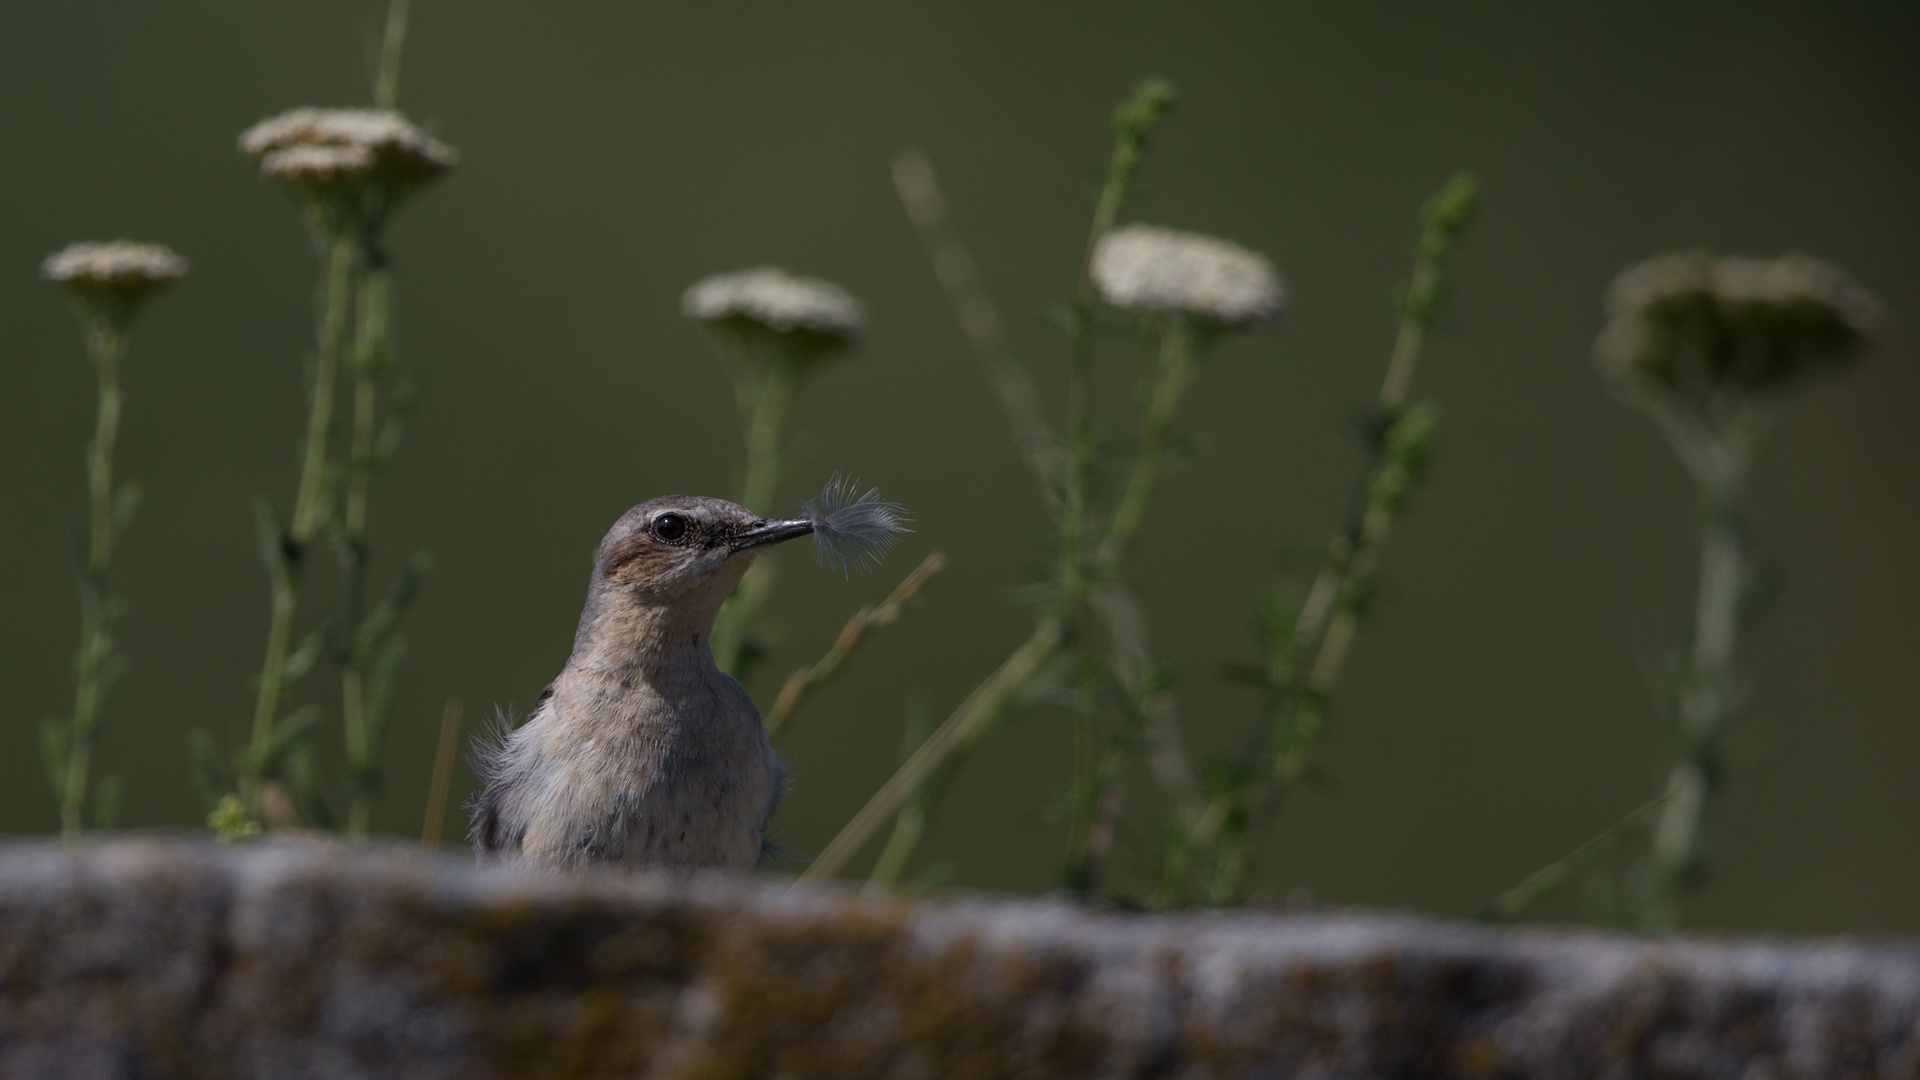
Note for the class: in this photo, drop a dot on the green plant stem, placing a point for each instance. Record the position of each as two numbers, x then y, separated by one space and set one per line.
374 294
1177 362
1329 618
106 344
371 301
309 510
764 415
1133 121
1706 700
386 85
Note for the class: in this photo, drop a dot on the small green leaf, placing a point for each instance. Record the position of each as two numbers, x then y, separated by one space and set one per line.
406 399
381 622
302 659
277 549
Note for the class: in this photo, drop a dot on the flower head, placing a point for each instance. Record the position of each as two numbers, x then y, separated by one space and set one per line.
116 276
349 164
399 149
1700 328
770 299
1152 270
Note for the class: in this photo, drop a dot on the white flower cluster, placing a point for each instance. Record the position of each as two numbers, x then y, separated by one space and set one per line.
318 148
777 300
121 267
1153 270
1690 321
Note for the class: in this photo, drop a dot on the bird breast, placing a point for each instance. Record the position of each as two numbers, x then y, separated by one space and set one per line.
617 765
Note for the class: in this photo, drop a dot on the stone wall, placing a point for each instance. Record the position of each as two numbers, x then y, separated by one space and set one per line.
157 958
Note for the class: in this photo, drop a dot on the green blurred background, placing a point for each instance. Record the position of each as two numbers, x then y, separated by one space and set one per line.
1495 714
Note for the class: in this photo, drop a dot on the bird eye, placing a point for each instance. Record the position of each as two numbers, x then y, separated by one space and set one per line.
670 527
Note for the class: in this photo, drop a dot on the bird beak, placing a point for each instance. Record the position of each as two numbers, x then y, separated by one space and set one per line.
770 532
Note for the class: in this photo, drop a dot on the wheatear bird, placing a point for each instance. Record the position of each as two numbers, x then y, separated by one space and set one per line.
642 751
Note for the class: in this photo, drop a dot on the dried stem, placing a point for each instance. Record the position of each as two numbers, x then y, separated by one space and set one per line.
1542 882
979 319
442 775
806 679
959 732
911 822
1058 626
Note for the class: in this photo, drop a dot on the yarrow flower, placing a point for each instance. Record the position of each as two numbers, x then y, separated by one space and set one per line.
774 300
118 275
1159 271
1699 327
398 147
351 165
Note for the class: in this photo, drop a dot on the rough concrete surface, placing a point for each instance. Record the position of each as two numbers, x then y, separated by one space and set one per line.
161 958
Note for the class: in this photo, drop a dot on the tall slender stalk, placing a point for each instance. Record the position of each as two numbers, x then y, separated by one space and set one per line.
814 675
911 822
106 344
1706 345
310 509
1706 699
108 283
979 319
1177 362
386 83
370 354
1061 622
1132 123
1294 714
771 387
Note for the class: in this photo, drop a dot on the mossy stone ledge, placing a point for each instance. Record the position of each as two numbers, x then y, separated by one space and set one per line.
172 958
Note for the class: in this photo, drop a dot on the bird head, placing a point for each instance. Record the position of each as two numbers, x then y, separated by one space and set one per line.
686 549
